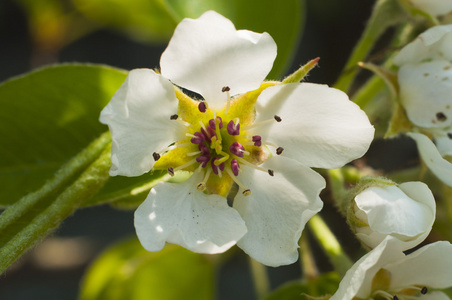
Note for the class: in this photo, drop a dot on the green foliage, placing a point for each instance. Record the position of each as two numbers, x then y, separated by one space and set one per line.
128 271
47 117
155 20
320 287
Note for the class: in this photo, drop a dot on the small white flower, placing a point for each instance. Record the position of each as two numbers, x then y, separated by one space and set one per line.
406 212
387 273
264 148
433 7
425 81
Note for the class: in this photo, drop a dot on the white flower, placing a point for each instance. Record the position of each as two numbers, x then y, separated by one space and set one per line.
229 140
387 273
433 7
425 81
406 211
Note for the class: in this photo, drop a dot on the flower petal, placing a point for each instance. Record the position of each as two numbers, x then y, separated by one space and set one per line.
433 43
425 91
206 54
430 155
433 7
138 116
180 214
320 126
443 141
357 282
407 212
435 295
277 209
429 266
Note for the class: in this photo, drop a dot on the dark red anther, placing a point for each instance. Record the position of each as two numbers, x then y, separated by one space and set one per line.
215 167
233 129
235 167
235 149
212 123
198 139
202 106
257 140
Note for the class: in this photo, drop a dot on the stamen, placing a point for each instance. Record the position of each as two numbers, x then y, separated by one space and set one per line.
194 153
246 191
169 148
186 124
235 167
247 163
233 128
279 150
203 184
217 169
424 290
174 117
277 118
260 123
384 295
171 171
212 123
156 156
183 166
237 149
226 90
198 138
202 106
257 140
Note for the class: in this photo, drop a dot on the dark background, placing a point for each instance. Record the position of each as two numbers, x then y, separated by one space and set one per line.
331 30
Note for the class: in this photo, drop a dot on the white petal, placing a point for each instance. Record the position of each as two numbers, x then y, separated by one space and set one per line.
434 7
430 155
138 116
443 141
407 212
429 266
278 208
208 53
358 279
431 44
425 91
180 214
435 295
320 126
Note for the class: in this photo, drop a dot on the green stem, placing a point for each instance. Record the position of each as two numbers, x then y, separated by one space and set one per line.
340 261
386 13
307 260
45 218
61 179
260 278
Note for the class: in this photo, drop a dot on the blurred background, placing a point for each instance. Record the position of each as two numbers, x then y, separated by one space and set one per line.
37 33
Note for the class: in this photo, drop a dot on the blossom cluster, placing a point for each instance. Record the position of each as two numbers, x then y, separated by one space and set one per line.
248 147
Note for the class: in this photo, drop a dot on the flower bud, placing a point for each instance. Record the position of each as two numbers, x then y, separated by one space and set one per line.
405 211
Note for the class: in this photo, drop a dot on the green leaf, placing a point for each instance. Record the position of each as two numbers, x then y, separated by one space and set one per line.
47 117
155 20
322 286
128 271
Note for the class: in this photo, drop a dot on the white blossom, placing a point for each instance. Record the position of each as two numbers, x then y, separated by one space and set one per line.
425 82
406 212
266 148
387 273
